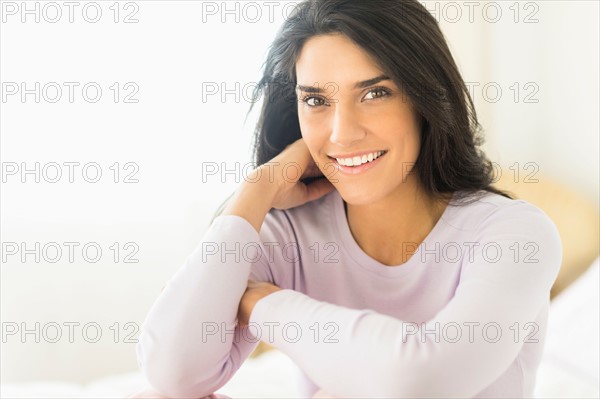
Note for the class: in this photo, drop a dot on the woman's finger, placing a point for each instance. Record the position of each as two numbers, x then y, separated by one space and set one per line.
318 188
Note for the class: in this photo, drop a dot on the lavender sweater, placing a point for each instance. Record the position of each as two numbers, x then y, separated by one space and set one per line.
465 316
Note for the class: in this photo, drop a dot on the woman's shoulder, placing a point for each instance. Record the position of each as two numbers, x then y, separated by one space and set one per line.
483 200
514 232
491 216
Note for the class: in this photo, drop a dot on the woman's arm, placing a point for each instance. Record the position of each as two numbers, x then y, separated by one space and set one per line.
190 344
361 353
252 201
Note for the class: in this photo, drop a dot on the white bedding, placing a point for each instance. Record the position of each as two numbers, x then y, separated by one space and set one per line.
569 369
570 366
271 375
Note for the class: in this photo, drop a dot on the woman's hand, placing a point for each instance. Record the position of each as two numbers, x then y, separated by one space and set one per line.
287 169
277 184
254 292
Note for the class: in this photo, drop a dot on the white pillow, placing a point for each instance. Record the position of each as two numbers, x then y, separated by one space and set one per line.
570 364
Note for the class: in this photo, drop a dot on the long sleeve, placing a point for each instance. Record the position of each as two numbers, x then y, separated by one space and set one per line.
189 344
504 284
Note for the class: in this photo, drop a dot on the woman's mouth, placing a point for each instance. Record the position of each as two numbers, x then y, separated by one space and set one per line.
358 164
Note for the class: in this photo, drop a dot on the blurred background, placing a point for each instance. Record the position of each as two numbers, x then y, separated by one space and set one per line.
123 128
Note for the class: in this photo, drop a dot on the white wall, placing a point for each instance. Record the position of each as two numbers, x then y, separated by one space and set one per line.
553 47
171 132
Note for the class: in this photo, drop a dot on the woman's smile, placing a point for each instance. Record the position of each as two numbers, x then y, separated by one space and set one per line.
352 165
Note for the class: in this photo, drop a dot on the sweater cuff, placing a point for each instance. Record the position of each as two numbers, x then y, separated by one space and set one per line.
285 319
268 305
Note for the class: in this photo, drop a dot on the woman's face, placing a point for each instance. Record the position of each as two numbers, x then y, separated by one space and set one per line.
347 112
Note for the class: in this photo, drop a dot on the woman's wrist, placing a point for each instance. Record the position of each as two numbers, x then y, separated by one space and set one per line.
268 290
255 291
252 200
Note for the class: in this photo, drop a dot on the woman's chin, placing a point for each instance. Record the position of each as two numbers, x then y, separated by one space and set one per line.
357 197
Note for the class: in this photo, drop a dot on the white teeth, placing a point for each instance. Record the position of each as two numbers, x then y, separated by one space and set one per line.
356 161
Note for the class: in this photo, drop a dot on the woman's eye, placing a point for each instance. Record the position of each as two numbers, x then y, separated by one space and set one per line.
380 92
313 101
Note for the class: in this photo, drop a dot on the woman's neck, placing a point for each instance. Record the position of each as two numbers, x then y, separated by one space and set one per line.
391 229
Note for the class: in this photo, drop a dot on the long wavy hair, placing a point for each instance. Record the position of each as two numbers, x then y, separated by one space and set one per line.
407 43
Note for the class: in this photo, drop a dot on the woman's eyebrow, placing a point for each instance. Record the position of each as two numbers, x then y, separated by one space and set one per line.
370 82
359 85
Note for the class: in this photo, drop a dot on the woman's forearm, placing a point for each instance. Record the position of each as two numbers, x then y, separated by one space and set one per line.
252 201
189 344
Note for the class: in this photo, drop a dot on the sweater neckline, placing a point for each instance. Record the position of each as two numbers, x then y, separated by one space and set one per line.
366 262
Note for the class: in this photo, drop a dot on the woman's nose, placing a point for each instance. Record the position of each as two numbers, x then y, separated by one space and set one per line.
346 128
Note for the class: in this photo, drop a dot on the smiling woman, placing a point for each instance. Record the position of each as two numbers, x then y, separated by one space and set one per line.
388 265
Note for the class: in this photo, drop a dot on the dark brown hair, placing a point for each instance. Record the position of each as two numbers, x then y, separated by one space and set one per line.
407 43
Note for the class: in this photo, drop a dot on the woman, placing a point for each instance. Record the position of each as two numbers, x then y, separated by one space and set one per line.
368 244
